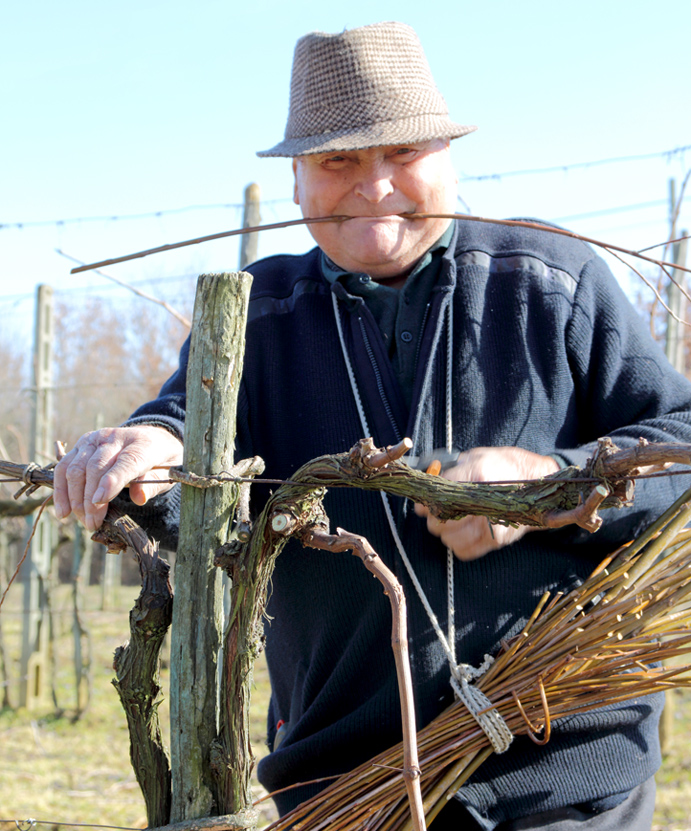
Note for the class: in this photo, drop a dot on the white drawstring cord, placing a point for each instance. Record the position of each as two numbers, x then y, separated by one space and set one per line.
480 707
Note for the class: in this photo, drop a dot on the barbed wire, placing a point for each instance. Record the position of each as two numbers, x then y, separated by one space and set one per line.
657 203
24 390
134 217
65 612
668 154
14 299
28 823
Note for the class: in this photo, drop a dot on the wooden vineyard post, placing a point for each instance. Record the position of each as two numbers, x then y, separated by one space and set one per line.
249 243
213 380
35 572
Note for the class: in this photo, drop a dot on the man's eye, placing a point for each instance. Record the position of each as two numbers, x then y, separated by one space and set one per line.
335 159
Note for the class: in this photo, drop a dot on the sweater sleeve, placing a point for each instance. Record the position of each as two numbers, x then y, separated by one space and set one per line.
161 514
625 389
168 408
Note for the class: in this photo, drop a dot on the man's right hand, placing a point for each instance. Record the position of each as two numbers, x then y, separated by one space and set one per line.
104 462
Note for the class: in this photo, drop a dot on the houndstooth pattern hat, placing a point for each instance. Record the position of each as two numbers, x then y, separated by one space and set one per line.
365 87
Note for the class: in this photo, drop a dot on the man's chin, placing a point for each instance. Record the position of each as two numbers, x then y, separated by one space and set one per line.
379 248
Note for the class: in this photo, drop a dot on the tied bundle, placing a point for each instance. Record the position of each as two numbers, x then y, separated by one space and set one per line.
602 643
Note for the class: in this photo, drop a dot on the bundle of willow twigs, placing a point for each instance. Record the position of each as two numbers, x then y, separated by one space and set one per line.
579 651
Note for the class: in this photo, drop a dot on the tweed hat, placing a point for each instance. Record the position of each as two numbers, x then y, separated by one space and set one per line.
360 88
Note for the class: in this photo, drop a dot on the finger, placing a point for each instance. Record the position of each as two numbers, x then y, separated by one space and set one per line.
99 468
114 468
76 476
468 538
140 493
93 519
473 540
421 510
61 499
434 525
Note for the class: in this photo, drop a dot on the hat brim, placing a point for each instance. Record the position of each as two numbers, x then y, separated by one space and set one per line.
400 131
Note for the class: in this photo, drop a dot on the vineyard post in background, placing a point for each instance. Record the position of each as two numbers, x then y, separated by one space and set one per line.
676 289
36 567
675 339
675 342
249 243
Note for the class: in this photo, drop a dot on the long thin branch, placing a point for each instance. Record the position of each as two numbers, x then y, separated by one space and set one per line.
26 551
311 220
656 290
343 541
221 235
176 314
665 243
537 226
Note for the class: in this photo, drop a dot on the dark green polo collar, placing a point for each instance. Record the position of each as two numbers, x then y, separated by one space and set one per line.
399 313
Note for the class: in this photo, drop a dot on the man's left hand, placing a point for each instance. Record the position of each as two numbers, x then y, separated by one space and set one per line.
473 536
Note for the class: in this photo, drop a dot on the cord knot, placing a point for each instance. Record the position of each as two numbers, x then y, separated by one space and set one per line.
479 706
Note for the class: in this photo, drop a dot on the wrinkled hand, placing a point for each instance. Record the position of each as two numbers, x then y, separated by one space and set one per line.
473 536
104 462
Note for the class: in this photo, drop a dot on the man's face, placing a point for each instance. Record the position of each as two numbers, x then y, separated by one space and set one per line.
374 185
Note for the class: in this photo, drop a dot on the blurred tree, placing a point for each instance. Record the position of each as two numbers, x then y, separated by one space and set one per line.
15 403
109 361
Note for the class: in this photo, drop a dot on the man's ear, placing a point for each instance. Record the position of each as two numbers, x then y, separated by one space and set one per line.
296 197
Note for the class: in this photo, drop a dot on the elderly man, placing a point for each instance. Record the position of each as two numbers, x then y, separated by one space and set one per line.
515 346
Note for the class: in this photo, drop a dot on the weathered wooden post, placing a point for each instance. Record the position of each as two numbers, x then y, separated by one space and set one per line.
213 380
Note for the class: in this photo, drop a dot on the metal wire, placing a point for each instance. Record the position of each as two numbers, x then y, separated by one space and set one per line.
30 822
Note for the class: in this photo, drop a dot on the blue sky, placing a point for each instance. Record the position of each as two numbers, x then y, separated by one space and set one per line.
129 109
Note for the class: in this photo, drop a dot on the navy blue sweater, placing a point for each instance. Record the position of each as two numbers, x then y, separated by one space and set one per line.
547 355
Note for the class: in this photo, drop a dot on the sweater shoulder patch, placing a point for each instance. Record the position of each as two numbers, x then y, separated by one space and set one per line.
506 264
280 281
267 304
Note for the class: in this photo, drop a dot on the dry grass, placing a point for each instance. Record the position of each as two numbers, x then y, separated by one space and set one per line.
673 804
54 769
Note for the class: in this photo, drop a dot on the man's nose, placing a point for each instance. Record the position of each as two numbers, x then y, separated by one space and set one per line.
374 185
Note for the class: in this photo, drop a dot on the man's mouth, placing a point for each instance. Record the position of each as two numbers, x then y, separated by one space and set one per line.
381 217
